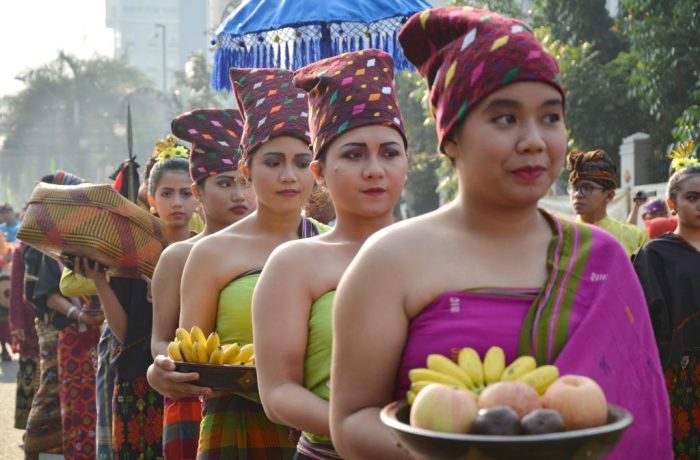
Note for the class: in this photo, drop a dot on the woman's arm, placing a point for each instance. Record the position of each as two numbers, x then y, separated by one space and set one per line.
369 333
59 303
201 284
165 288
281 309
113 310
166 313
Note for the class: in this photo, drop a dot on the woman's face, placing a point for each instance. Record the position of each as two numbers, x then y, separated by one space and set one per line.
174 200
227 197
589 198
687 202
510 149
280 174
364 170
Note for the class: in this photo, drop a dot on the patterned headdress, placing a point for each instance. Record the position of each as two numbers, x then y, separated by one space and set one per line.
271 106
655 206
595 166
466 54
215 136
60 177
349 91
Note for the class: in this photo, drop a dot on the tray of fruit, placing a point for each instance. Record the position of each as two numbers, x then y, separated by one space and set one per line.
220 367
476 410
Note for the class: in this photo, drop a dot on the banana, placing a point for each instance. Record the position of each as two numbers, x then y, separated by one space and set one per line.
418 385
217 356
174 351
410 396
250 362
494 364
433 376
519 368
231 353
245 353
212 342
187 351
446 366
200 352
469 360
541 378
183 336
196 333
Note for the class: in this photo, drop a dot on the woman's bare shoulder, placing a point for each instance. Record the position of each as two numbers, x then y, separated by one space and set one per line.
409 233
177 251
297 255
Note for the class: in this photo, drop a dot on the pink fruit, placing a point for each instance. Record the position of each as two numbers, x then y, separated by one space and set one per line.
442 408
520 397
579 400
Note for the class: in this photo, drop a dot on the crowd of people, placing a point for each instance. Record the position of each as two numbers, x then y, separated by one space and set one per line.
341 305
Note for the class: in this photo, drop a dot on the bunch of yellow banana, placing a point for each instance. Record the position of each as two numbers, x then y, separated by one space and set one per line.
471 374
195 348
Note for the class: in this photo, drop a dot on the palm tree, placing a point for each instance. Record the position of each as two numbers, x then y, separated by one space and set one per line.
68 116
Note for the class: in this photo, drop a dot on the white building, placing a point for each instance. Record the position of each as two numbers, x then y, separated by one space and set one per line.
158 36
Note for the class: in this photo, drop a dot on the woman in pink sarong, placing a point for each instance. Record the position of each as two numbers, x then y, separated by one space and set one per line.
490 268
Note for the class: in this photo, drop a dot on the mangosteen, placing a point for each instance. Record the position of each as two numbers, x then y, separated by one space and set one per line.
497 420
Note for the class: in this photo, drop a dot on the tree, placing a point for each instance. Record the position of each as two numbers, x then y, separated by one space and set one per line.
665 44
71 115
194 88
503 7
577 23
420 191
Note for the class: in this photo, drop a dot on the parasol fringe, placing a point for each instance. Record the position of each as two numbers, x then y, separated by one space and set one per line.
303 50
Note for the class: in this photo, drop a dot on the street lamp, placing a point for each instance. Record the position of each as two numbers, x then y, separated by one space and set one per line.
162 36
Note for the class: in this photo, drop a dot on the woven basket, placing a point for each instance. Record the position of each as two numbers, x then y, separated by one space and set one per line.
93 221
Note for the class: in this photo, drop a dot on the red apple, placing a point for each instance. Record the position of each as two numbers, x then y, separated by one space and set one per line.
439 407
579 400
519 396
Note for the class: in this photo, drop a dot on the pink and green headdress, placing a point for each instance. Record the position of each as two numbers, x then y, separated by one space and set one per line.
467 53
271 106
349 91
215 136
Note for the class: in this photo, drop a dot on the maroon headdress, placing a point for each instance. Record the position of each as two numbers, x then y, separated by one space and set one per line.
271 106
349 91
467 53
215 136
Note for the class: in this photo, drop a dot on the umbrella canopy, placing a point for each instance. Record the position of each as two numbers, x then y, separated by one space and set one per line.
293 33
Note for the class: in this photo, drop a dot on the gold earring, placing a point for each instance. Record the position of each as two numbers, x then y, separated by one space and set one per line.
153 210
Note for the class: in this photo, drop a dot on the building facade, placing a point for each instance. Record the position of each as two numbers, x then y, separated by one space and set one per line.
158 36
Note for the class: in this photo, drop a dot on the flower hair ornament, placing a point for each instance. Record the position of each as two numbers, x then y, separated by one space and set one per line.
682 157
169 148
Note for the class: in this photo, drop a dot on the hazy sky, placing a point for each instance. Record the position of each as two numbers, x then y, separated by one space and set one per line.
33 31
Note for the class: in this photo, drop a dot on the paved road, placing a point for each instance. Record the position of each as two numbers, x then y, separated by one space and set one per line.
11 438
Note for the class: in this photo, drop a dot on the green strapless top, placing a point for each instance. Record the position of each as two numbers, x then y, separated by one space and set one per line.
317 362
234 317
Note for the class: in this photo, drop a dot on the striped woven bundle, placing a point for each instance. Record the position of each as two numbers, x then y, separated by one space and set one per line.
93 221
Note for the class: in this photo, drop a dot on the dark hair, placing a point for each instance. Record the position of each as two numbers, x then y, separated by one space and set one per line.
149 166
319 206
678 179
161 167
